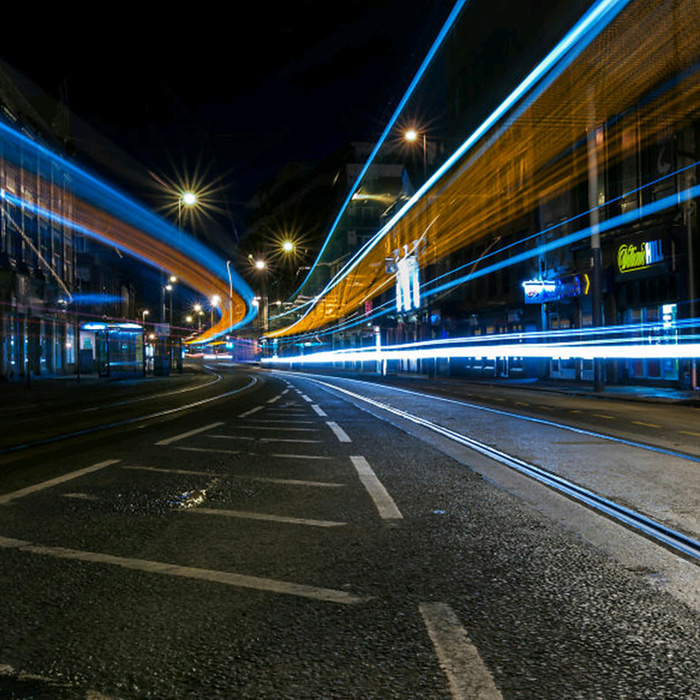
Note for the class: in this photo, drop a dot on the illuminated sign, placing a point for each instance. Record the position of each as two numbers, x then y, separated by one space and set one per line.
638 256
99 326
539 291
542 291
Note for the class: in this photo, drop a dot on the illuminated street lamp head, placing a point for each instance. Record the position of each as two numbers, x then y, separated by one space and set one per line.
260 265
288 246
411 135
189 199
215 300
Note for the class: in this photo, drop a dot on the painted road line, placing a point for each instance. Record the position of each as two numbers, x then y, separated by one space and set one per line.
382 500
252 410
468 676
250 515
279 427
319 410
276 423
289 440
8 497
210 575
190 433
286 455
207 449
604 415
307 398
645 425
185 472
263 439
274 398
293 482
289 412
339 432
689 432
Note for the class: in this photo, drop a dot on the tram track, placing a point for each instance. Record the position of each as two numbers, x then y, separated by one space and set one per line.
670 538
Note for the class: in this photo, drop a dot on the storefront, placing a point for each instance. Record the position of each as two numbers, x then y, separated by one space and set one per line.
647 286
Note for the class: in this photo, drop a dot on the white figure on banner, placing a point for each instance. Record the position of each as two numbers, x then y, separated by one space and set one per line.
407 282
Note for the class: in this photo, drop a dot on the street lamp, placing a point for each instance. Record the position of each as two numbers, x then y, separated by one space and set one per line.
187 199
198 310
411 135
215 301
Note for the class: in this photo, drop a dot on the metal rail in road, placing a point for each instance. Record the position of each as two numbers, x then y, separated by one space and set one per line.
673 539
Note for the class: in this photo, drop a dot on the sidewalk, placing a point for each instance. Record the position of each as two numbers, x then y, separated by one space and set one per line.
620 392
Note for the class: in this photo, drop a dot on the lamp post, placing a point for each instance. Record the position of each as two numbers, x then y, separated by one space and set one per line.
215 301
261 267
169 287
411 135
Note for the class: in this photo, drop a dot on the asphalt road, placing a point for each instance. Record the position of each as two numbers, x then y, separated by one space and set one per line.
248 534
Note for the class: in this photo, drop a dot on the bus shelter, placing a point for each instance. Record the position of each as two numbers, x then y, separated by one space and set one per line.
112 349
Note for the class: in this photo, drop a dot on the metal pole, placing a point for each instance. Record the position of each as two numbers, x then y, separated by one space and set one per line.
596 256
689 210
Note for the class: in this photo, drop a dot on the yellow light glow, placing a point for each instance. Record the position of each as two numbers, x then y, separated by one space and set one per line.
542 156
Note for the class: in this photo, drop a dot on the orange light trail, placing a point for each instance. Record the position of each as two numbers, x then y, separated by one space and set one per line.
638 76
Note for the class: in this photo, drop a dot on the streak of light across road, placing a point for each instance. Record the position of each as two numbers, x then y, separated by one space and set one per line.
650 340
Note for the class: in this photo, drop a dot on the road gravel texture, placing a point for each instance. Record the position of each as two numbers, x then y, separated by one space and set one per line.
552 616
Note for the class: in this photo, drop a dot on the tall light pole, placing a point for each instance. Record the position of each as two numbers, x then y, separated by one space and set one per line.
215 301
411 135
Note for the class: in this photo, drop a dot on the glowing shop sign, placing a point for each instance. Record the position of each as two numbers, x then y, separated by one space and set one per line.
631 257
540 291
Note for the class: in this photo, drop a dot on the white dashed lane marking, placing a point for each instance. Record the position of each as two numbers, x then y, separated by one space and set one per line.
189 433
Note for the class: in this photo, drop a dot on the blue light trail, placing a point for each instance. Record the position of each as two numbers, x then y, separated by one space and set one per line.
109 217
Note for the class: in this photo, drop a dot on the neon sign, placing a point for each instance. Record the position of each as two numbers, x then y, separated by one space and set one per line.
631 257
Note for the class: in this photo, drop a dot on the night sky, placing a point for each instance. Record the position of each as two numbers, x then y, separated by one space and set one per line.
232 94
228 97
